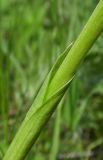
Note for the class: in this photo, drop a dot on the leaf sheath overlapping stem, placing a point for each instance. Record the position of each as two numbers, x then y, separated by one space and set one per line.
54 87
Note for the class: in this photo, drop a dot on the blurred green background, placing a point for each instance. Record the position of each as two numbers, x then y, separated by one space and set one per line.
33 33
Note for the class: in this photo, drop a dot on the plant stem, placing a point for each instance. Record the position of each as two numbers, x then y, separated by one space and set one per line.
4 97
84 42
44 106
56 133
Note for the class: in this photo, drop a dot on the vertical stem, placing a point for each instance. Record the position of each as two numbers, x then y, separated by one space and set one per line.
3 97
56 134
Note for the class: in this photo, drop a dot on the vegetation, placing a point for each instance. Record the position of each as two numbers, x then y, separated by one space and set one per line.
17 88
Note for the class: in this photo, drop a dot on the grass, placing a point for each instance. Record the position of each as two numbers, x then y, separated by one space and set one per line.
54 87
23 42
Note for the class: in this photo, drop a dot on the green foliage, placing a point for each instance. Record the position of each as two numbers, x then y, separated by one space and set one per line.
32 34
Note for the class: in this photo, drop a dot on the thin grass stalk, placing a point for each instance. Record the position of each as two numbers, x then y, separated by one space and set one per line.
54 87
3 98
56 133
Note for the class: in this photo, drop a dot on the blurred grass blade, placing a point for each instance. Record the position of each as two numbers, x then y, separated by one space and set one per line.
72 103
1 152
80 111
56 134
4 94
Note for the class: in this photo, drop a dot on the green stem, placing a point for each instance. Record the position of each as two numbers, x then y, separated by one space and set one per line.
3 96
56 134
42 109
82 45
